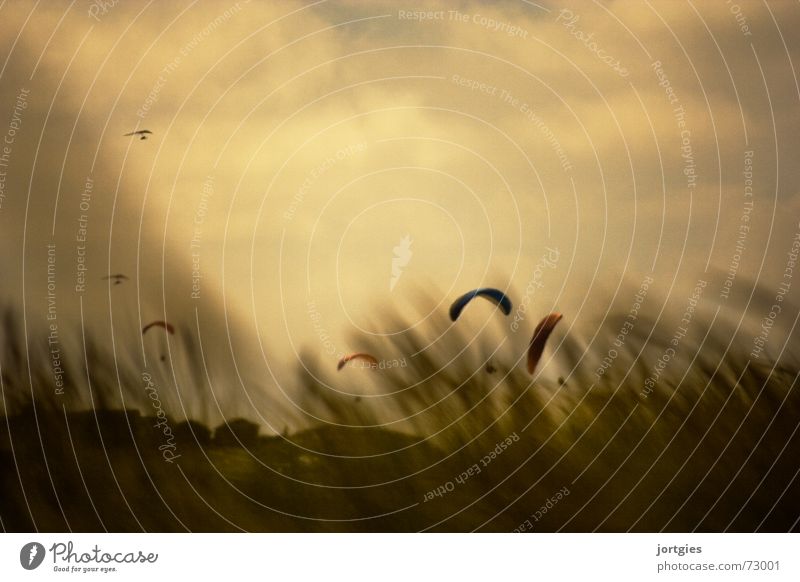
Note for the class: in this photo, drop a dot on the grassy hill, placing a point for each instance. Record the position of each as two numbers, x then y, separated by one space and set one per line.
720 459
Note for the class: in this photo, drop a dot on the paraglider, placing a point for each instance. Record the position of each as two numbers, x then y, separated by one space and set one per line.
142 133
168 327
494 295
357 356
164 324
540 335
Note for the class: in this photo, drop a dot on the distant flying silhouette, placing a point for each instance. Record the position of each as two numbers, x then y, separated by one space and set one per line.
142 133
118 278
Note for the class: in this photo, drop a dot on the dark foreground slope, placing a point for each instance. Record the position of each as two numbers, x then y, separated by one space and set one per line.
719 455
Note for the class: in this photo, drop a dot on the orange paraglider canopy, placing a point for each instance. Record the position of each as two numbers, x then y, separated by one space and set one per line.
163 324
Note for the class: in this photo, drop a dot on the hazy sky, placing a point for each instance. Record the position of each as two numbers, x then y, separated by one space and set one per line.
298 144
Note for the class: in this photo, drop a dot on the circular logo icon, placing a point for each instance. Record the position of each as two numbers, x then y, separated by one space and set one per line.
31 555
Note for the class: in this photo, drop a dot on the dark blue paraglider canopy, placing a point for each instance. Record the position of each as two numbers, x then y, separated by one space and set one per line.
494 295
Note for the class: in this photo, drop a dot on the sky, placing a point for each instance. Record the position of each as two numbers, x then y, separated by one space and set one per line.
316 168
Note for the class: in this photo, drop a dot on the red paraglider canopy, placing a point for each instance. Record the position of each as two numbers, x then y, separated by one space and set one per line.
163 324
356 356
